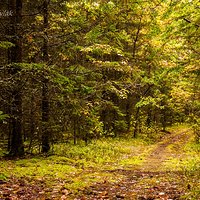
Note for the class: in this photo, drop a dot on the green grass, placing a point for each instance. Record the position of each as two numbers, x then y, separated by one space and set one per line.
189 164
3 176
78 165
192 170
186 158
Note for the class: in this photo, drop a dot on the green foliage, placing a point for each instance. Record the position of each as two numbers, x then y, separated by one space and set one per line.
99 152
3 176
192 171
115 67
155 102
6 44
196 128
3 116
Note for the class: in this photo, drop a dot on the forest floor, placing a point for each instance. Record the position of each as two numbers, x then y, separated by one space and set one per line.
153 179
161 175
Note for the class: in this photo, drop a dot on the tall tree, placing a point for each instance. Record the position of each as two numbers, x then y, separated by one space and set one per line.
45 81
15 58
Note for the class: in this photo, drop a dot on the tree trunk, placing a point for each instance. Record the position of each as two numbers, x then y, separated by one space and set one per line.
15 56
45 89
137 116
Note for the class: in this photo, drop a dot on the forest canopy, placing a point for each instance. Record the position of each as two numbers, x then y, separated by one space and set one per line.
79 70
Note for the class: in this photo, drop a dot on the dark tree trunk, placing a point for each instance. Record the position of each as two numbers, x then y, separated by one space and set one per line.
149 117
15 56
137 116
45 118
32 121
164 119
45 89
128 114
74 131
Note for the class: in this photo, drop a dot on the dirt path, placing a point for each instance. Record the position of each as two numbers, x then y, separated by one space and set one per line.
169 147
150 181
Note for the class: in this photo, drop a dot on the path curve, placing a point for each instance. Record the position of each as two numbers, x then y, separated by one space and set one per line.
150 181
162 152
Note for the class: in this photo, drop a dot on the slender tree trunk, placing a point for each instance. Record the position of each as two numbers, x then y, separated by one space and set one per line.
128 114
137 116
45 89
75 136
15 56
149 117
164 119
135 40
32 124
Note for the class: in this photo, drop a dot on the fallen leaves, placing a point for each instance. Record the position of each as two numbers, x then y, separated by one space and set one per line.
20 189
138 185
30 189
135 185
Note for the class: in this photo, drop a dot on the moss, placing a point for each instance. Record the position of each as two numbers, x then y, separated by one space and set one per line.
79 165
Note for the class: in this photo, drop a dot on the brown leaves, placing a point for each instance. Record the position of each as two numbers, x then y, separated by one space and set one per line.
31 189
137 185
20 189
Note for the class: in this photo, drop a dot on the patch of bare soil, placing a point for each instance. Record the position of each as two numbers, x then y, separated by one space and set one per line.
148 182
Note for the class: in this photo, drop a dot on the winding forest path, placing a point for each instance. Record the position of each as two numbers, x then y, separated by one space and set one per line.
152 180
170 147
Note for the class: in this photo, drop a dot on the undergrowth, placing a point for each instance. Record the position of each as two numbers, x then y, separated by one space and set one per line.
192 170
79 165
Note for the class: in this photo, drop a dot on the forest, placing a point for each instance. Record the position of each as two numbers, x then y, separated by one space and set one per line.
104 77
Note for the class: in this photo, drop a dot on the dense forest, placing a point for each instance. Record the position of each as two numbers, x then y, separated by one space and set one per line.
82 70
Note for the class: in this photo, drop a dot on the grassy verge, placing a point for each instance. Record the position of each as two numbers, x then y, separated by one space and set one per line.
191 167
188 162
75 167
